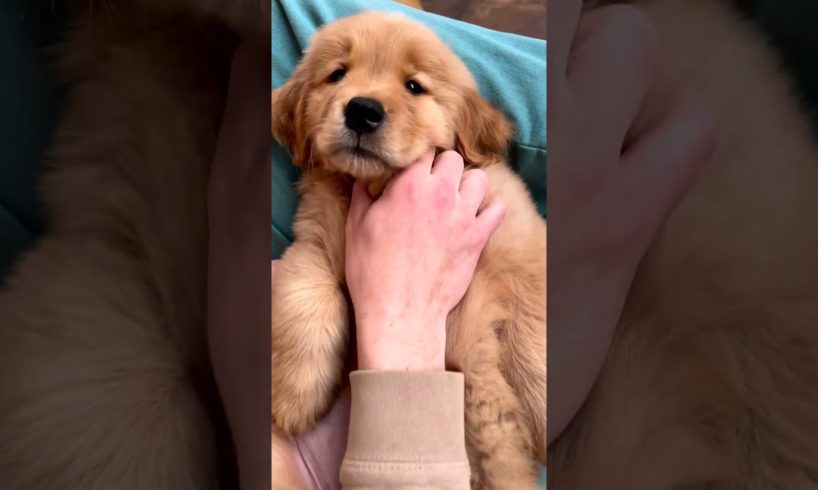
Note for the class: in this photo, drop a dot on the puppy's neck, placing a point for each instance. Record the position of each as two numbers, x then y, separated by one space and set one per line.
341 181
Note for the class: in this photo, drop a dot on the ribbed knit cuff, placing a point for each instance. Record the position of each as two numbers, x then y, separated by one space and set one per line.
406 430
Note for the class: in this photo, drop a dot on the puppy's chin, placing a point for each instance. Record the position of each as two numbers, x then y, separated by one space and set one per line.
359 164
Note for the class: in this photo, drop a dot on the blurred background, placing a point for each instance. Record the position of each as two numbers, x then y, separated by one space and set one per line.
524 17
30 97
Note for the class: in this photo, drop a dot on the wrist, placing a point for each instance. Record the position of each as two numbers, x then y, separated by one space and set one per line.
401 343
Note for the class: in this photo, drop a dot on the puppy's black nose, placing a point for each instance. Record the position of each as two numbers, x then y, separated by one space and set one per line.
363 115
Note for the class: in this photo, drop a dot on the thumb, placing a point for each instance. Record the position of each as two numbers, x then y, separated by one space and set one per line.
489 218
662 167
359 202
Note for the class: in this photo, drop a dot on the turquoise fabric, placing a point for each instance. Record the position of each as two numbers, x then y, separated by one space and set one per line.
510 71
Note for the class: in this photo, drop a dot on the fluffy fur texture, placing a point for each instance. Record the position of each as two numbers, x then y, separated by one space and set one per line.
106 383
497 334
711 380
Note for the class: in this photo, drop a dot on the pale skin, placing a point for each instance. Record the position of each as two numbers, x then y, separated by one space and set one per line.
410 257
613 198
615 214
444 238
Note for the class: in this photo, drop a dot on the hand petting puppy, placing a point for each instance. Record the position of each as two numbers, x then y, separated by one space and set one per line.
610 189
410 257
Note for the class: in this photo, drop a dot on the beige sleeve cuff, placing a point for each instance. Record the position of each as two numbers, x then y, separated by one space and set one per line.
406 431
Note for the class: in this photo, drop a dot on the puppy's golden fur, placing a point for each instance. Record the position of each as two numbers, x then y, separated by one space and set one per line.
105 375
712 379
496 336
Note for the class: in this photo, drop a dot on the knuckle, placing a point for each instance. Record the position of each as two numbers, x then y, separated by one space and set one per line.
443 196
407 186
451 156
631 30
481 183
639 33
478 175
627 19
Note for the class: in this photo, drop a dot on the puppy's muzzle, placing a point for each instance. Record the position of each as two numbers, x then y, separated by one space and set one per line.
363 115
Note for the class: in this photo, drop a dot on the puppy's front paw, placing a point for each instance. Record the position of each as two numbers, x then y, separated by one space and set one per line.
309 338
294 411
307 362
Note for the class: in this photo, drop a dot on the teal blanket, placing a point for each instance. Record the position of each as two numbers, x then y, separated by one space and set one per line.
509 69
29 102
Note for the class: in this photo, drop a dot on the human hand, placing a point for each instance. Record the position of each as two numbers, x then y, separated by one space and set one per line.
238 322
410 256
612 187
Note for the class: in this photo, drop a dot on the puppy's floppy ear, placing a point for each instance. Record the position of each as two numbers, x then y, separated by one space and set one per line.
289 111
482 132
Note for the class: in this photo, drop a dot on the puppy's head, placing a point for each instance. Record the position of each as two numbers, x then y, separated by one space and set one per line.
374 92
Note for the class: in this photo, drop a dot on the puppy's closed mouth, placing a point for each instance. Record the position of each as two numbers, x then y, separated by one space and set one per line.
360 152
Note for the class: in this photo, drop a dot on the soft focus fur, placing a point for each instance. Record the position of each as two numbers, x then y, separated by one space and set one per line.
496 336
105 377
712 380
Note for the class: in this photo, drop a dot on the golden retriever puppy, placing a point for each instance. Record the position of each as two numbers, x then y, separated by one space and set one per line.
372 94
106 382
712 379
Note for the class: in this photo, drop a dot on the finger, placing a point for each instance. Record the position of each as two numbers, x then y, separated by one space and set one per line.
422 166
489 219
449 166
563 18
616 52
662 165
359 203
424 163
473 188
273 266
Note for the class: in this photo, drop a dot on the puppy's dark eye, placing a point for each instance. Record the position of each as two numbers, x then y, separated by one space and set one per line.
414 87
337 75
